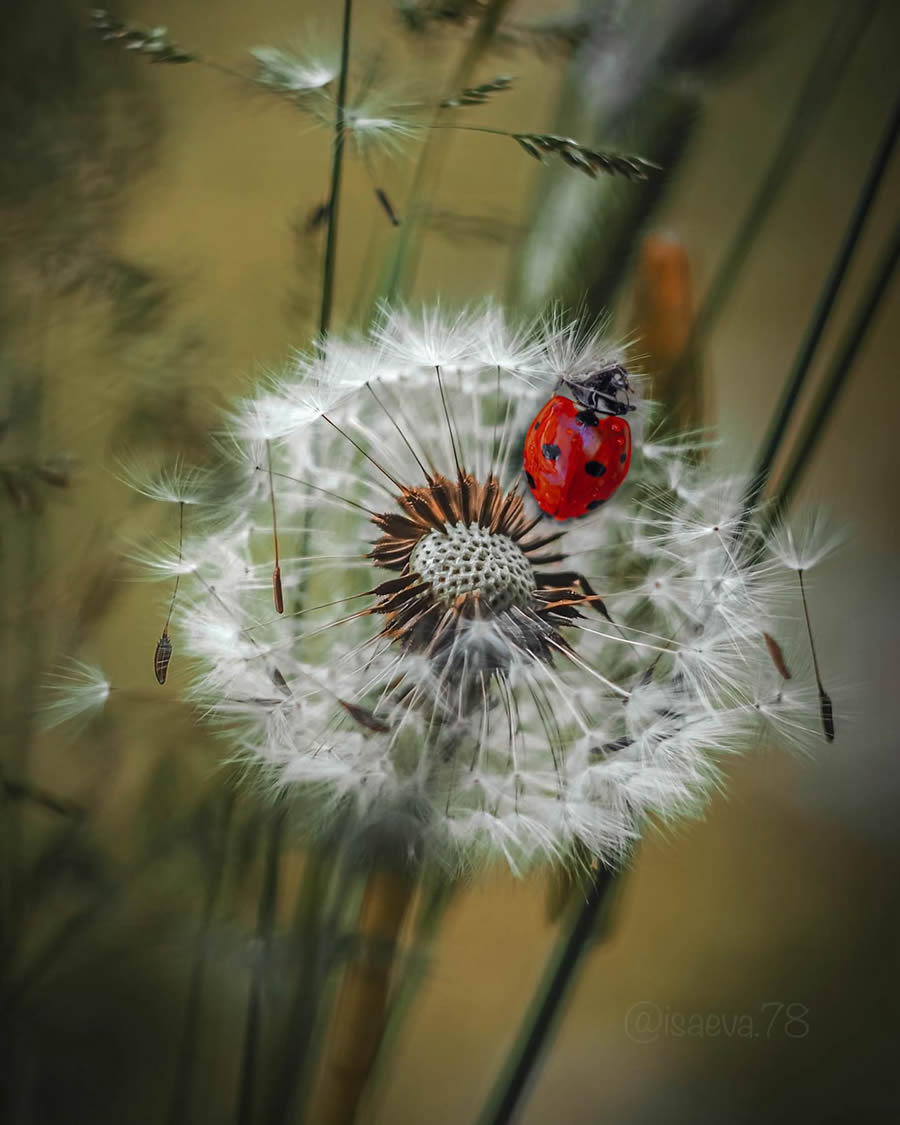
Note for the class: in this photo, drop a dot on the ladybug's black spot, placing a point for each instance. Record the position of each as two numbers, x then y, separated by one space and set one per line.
622 459
536 425
531 481
595 468
587 418
595 504
551 452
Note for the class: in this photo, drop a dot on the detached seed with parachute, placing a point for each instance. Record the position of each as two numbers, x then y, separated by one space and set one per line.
826 708
163 653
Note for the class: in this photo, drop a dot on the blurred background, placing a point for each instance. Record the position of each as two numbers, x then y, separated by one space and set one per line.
159 248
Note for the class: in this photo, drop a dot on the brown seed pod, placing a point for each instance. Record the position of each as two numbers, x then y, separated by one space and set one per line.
777 656
365 717
277 591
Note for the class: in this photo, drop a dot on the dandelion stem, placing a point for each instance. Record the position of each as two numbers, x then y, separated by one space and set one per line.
265 921
361 1009
827 298
181 1086
837 374
429 915
541 1019
337 161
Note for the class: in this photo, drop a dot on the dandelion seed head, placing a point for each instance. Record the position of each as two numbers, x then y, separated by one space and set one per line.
470 559
452 669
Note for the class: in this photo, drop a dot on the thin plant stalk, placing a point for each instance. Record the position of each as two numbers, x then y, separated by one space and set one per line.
402 264
181 1086
816 328
361 1009
265 921
267 901
315 878
838 372
543 1014
337 163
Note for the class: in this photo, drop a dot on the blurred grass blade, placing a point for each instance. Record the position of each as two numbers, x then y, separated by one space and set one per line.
816 328
838 372
540 1022
265 922
179 1109
310 946
821 83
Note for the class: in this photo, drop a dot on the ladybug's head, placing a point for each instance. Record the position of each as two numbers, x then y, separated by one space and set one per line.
605 391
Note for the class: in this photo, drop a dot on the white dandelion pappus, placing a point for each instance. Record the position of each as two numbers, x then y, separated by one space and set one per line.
804 543
445 672
175 484
75 690
293 73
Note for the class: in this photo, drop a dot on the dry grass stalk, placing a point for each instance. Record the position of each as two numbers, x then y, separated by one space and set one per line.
153 42
478 95
584 159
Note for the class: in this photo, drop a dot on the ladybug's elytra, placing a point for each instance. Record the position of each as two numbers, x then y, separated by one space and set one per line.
578 453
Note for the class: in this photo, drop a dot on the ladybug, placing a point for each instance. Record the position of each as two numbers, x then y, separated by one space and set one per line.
577 453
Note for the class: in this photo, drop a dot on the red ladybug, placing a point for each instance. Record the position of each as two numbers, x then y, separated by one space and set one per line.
578 453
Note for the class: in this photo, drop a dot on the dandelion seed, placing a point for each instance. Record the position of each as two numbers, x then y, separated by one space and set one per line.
74 690
805 542
161 657
826 708
293 73
176 484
